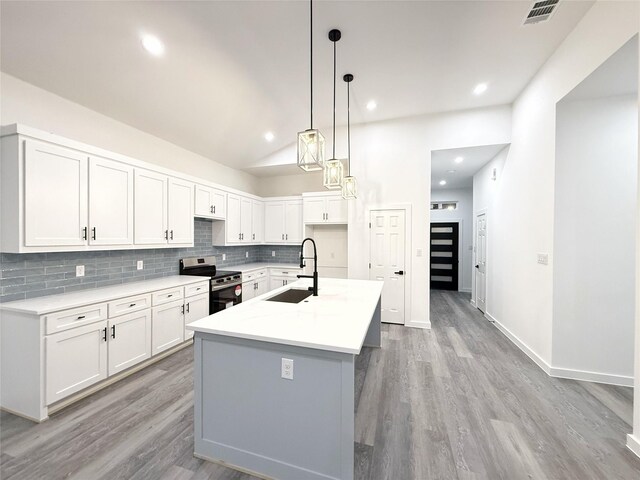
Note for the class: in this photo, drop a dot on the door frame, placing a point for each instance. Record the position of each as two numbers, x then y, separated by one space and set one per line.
408 229
460 223
474 286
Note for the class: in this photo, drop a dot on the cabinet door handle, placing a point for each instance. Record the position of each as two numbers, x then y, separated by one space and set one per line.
239 236
93 233
80 317
166 234
214 209
84 233
211 208
113 331
188 307
182 309
254 236
104 334
171 236
286 237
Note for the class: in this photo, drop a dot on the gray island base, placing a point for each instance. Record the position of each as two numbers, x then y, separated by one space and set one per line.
248 417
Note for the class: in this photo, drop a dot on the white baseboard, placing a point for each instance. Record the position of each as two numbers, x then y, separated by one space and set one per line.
620 380
633 443
425 325
556 372
464 290
521 345
473 303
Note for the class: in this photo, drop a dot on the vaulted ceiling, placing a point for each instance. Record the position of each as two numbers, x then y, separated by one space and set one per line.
233 70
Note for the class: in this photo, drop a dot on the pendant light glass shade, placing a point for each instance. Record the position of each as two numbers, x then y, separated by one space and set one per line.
333 174
310 150
349 187
311 141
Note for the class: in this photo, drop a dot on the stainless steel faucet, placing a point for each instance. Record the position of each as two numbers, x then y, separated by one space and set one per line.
314 289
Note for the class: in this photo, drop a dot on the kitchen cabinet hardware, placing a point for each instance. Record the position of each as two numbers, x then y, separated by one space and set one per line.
93 233
132 305
84 233
81 317
187 308
182 310
104 334
113 331
399 272
171 234
253 237
212 209
166 234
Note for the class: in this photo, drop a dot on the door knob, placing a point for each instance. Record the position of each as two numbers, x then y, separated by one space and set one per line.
401 272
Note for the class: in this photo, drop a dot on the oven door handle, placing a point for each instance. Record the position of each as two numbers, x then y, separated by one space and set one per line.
227 285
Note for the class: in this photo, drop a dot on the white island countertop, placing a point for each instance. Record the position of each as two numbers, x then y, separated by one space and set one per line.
336 320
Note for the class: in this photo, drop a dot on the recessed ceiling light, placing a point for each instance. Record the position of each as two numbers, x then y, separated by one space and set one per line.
480 88
451 171
153 45
371 105
269 136
443 182
459 159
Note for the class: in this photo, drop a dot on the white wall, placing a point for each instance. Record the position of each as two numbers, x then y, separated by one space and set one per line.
464 215
523 210
485 192
24 103
392 162
594 236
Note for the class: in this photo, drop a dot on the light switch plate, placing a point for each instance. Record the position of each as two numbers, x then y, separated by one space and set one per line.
79 270
543 258
140 265
287 369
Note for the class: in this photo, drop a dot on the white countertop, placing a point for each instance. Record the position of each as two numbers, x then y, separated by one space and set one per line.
336 320
54 303
249 267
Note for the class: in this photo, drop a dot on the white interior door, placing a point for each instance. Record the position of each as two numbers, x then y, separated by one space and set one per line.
55 195
110 202
481 262
387 261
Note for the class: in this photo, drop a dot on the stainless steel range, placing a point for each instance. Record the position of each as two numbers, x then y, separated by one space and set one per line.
225 285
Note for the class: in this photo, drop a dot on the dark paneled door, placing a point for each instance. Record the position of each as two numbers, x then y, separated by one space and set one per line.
444 256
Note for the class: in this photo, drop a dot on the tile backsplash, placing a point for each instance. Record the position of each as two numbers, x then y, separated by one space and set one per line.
31 275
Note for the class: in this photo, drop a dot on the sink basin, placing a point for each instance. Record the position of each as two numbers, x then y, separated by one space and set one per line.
293 295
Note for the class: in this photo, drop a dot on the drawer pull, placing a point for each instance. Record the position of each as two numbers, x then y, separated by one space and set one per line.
170 295
132 305
199 288
81 317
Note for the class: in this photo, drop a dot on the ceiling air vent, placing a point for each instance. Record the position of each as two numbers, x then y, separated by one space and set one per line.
541 11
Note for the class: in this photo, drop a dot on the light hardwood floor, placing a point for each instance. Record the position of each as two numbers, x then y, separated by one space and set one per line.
457 402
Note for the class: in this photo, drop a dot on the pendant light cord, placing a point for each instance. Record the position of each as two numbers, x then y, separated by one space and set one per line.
311 54
348 128
334 99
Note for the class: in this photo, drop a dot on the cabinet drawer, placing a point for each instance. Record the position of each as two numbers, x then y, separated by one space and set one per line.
289 273
164 296
75 317
196 289
129 305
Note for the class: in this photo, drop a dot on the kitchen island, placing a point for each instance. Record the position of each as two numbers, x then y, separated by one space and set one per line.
274 381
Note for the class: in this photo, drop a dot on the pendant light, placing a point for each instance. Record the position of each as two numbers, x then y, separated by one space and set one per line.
311 141
349 184
333 169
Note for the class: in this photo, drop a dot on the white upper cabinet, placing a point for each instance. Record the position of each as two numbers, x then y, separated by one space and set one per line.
324 208
283 221
55 200
233 223
180 221
110 202
209 202
246 219
150 212
257 222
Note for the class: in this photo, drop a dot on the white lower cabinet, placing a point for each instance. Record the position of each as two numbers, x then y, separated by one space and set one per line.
195 308
75 359
129 340
277 282
167 326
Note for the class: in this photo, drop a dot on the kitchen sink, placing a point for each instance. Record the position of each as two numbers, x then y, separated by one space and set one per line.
293 295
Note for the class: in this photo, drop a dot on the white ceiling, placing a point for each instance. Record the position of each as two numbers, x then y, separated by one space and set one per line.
236 69
474 158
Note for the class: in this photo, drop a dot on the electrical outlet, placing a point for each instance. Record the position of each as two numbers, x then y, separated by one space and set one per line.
79 270
287 369
543 258
224 257
140 265
273 253
246 254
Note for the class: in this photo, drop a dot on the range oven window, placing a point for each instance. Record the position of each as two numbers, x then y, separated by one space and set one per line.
226 297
